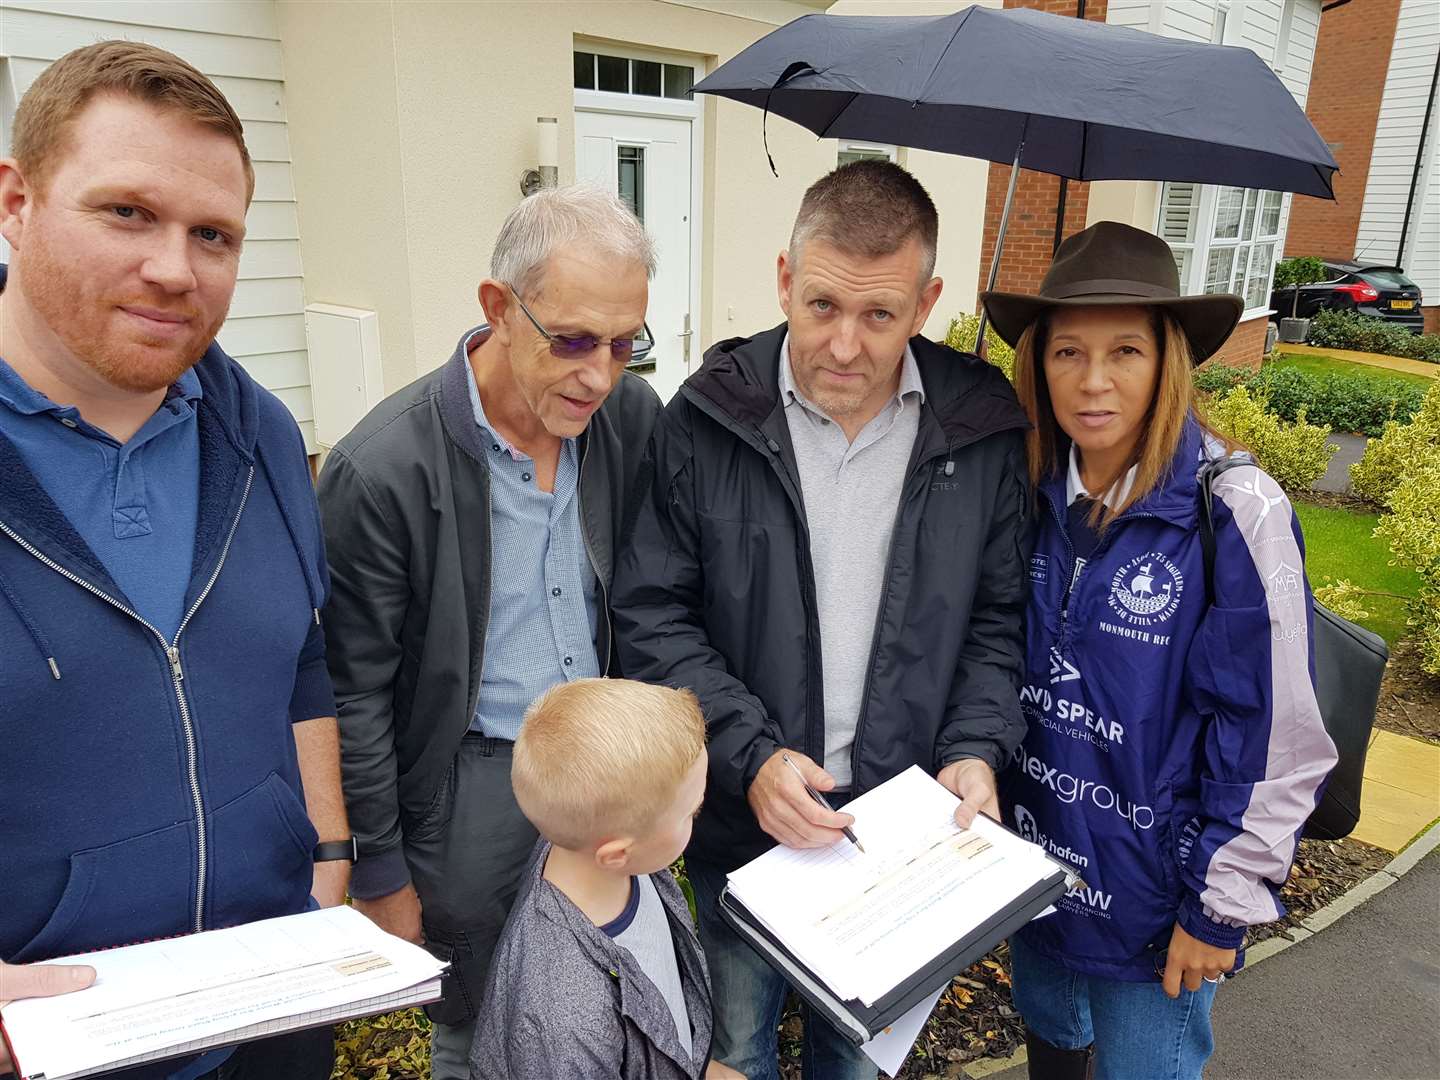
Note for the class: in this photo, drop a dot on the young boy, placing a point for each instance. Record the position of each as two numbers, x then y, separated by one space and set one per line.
599 972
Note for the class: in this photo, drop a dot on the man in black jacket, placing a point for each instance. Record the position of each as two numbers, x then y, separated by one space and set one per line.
832 558
472 522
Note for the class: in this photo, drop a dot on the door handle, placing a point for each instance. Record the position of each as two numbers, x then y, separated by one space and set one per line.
685 335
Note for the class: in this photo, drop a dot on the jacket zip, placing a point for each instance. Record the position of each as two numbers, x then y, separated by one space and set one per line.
171 649
814 748
920 467
1076 574
594 566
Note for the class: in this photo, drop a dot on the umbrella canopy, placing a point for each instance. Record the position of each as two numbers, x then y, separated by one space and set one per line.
1085 100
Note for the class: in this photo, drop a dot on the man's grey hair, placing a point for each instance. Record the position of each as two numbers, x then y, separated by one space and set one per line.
868 208
553 219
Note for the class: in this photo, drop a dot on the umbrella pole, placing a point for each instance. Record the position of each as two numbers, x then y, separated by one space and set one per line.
1000 237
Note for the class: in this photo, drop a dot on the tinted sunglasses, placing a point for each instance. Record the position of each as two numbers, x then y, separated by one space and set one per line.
622 350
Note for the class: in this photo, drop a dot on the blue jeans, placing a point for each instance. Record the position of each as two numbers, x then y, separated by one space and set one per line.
749 996
1138 1031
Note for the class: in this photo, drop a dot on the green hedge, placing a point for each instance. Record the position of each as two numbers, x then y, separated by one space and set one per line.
1341 402
1363 333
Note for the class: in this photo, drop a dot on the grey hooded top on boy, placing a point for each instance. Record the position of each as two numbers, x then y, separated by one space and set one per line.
563 999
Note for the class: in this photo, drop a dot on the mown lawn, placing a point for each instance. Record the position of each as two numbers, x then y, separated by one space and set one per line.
1328 365
1339 544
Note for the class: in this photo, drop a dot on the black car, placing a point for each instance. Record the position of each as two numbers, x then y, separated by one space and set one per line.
1383 292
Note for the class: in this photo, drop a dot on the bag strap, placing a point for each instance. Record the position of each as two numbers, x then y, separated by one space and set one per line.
1205 480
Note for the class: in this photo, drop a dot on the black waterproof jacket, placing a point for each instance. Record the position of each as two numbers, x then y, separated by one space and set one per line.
405 501
716 591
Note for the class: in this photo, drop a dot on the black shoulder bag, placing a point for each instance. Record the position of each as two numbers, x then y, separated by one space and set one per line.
1349 664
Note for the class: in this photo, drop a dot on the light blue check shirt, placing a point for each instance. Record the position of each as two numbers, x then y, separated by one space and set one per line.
543 608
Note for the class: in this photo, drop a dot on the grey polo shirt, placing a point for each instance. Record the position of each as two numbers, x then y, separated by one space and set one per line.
851 492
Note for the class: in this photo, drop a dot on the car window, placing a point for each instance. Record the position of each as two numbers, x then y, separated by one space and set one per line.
1387 279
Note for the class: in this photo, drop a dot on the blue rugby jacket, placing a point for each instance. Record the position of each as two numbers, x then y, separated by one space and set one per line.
150 787
1175 747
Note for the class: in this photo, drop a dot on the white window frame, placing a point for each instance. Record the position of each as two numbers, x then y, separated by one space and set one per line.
1204 215
638 52
665 108
1282 36
864 149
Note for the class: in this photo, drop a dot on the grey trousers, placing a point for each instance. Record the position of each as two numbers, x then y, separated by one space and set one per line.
466 859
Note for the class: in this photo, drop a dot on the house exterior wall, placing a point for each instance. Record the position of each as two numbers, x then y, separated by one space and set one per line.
1030 235
417 122
1351 59
236 43
1283 33
1409 83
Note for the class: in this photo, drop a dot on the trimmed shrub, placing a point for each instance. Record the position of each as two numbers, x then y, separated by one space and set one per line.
1350 330
1295 454
1412 528
1219 378
1400 445
1401 471
1342 402
961 336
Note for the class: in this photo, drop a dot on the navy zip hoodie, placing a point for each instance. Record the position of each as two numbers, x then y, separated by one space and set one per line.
150 787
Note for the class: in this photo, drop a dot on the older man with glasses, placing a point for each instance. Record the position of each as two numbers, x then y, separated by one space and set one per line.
472 521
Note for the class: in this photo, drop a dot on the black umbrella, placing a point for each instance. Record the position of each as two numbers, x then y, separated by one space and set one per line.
1066 96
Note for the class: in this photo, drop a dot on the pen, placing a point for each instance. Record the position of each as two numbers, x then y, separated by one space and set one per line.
849 832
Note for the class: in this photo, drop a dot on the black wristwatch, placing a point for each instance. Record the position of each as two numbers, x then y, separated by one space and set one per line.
335 850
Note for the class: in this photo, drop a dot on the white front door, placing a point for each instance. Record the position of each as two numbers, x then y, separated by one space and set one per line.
646 160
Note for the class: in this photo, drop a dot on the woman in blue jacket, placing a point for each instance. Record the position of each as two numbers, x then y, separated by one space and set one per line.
1175 747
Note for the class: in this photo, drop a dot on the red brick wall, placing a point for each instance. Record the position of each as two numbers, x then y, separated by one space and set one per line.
1030 238
1352 57
1245 347
1432 318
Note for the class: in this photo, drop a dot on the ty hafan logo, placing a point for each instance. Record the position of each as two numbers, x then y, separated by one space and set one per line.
1146 591
1070 789
1026 826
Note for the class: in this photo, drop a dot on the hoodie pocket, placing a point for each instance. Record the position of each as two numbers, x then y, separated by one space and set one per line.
132 890
262 849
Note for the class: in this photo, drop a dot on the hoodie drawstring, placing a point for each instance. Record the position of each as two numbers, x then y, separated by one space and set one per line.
36 634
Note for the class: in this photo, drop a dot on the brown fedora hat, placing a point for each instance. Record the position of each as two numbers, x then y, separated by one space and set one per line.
1115 264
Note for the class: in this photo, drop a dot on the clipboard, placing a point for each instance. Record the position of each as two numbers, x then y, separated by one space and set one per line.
859 1022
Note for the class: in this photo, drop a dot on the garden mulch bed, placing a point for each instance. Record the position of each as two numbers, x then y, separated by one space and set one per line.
976 1019
1409 698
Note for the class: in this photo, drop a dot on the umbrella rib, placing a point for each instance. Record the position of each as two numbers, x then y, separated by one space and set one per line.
838 113
941 58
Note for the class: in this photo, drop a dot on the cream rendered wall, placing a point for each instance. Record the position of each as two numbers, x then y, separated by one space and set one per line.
348 168
416 119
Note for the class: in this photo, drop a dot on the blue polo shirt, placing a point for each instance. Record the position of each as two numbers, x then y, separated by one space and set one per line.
134 503
543 609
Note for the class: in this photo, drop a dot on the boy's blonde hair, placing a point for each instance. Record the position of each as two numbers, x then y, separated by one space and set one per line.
601 758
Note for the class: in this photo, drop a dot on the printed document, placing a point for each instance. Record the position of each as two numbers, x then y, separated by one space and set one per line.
865 921
185 995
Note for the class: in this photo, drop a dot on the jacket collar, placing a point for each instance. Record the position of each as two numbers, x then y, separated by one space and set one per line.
228 422
639 1001
1172 500
966 399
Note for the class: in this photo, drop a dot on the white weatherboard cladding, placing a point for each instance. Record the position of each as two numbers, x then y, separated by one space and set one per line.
1253 24
236 43
1408 84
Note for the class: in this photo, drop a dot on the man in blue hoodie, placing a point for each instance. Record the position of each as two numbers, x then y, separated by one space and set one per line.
171 757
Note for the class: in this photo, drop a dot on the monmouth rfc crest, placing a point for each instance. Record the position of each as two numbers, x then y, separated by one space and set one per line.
1146 590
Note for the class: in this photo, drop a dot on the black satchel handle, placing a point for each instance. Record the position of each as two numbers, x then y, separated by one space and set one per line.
1205 481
